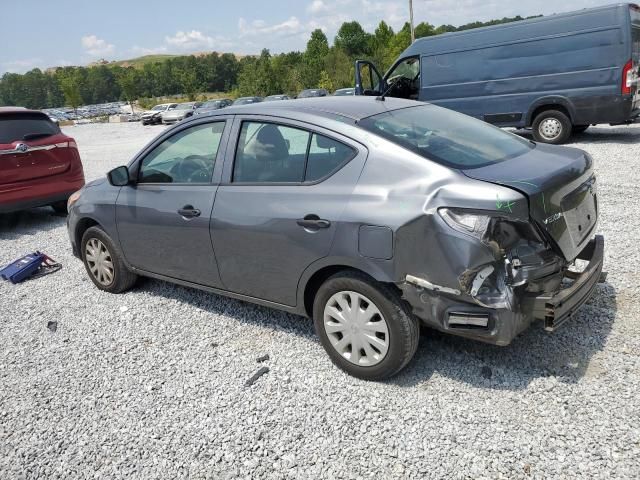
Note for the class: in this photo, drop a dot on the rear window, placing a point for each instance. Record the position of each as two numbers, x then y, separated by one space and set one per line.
25 126
447 137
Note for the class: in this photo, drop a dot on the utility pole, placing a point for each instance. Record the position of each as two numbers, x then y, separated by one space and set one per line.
413 33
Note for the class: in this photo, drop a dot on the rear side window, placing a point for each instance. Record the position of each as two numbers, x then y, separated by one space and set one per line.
25 126
326 155
447 137
272 153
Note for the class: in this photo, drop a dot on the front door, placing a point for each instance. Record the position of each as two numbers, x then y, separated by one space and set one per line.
281 207
163 218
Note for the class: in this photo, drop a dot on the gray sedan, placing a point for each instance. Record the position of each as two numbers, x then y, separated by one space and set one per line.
370 216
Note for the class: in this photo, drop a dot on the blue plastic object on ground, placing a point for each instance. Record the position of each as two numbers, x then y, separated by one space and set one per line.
32 265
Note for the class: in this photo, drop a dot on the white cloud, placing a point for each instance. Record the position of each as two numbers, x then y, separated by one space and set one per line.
288 27
137 50
96 47
316 7
195 39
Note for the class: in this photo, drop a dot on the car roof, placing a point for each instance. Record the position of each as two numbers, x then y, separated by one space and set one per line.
356 107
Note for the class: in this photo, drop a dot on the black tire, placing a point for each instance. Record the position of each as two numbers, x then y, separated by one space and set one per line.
403 327
122 279
145 124
580 128
60 207
543 135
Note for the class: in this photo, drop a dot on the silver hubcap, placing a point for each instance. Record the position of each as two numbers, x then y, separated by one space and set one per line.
99 261
550 128
356 328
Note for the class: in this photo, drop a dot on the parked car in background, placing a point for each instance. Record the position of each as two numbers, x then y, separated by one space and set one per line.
368 216
154 116
313 92
556 74
212 105
342 92
39 165
272 98
182 111
247 100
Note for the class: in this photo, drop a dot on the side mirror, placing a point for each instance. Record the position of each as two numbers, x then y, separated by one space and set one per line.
119 177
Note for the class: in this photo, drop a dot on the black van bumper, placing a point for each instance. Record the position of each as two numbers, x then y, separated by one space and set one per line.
611 109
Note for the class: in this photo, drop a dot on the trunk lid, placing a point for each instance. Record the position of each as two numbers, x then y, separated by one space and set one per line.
31 146
31 159
559 183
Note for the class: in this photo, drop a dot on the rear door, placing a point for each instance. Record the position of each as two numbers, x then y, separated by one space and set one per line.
31 147
163 218
286 187
635 53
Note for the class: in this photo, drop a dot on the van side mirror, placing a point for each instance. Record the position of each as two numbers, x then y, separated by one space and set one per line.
119 176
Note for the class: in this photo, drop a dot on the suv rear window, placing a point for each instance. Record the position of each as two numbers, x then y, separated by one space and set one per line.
447 137
25 126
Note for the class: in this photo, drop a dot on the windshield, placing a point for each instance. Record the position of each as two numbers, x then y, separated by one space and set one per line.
185 106
447 137
159 107
210 104
26 126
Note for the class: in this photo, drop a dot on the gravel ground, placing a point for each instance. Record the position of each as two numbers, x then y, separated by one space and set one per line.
151 383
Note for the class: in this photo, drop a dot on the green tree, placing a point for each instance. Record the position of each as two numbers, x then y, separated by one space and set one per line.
128 82
71 90
325 81
352 38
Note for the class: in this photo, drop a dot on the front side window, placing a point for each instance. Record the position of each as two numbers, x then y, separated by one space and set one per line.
186 157
404 79
447 137
272 153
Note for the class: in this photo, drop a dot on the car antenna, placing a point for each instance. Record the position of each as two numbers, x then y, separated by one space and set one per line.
380 98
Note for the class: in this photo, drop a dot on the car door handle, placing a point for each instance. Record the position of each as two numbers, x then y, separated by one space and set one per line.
189 212
313 222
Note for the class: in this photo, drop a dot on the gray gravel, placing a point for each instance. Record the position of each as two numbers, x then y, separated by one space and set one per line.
151 384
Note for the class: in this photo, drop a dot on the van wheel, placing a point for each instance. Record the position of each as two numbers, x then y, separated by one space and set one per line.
104 262
579 128
364 326
551 126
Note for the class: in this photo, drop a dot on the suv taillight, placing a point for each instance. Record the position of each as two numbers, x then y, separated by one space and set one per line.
629 78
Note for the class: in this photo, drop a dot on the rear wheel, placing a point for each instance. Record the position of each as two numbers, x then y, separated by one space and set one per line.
364 326
551 126
104 262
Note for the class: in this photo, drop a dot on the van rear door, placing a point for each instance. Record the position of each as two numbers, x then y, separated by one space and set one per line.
635 53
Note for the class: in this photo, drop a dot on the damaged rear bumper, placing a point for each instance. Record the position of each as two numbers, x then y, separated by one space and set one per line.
555 309
455 312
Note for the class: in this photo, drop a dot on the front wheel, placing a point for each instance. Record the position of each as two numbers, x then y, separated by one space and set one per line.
551 126
364 326
104 262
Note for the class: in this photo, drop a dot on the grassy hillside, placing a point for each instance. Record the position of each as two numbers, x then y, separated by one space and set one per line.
139 62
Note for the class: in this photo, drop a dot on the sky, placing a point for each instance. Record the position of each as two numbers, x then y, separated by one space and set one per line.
46 33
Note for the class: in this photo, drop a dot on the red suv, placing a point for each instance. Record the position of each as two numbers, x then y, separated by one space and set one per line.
39 165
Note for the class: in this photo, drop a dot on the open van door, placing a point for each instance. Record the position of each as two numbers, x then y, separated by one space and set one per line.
368 79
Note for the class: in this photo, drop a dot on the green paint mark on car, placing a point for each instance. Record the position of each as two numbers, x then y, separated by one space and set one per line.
504 205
